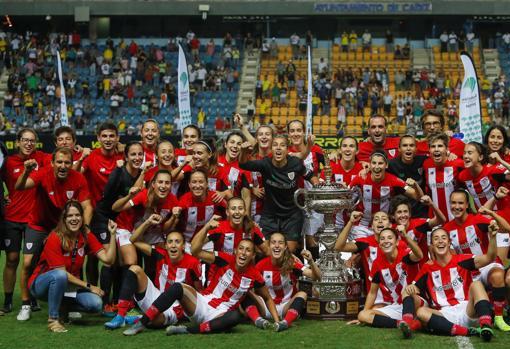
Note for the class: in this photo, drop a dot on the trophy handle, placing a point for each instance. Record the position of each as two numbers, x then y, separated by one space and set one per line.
356 202
297 194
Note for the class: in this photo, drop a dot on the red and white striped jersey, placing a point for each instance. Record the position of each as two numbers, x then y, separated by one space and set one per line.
418 230
340 175
228 285
376 196
217 181
448 285
312 163
187 270
226 238
195 214
281 287
471 236
180 155
482 187
234 174
394 277
440 182
368 247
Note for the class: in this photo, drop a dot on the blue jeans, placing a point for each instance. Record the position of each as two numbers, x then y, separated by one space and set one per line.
51 287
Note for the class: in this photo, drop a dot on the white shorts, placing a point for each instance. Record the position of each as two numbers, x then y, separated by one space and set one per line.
122 237
151 294
393 311
204 312
502 240
483 275
279 309
312 223
359 231
457 315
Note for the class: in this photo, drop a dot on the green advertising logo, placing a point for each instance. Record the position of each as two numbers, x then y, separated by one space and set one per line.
183 79
470 83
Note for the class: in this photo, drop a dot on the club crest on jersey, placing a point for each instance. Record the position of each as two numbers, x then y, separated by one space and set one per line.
392 152
291 175
7 242
29 245
70 194
81 252
103 236
102 170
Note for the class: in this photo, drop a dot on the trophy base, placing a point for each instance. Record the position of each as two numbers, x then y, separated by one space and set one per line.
332 300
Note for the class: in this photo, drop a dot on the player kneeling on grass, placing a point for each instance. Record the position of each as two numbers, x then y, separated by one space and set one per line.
214 309
457 302
172 265
57 275
393 269
281 272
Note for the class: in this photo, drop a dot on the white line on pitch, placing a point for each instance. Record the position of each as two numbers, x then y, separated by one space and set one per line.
463 342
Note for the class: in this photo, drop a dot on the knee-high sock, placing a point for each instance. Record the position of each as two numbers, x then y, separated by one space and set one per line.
441 325
105 282
295 309
127 292
382 321
251 309
163 302
118 273
220 324
483 310
408 309
499 296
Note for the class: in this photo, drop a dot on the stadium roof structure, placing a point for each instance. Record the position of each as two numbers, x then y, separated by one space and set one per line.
254 7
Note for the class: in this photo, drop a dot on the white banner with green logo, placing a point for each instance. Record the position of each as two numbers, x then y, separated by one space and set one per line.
309 116
64 120
470 111
183 91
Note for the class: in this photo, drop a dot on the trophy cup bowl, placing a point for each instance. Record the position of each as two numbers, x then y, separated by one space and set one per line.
338 294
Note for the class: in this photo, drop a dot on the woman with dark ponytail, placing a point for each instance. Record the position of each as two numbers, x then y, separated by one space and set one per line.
481 179
226 234
281 271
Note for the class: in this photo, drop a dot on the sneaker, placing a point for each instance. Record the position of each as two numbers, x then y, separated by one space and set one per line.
34 306
280 326
473 331
132 319
135 329
117 322
500 324
109 311
405 329
262 323
486 333
171 330
25 313
74 315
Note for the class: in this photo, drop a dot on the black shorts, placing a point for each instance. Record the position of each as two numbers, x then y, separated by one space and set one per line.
291 226
12 235
34 240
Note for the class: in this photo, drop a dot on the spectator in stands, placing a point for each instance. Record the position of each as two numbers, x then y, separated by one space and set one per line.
366 39
275 95
294 44
249 44
201 118
453 42
353 40
290 71
344 41
266 84
389 40
322 67
265 49
443 38
274 48
250 109
280 72
387 103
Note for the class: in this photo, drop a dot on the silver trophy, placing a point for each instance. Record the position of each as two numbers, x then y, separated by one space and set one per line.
338 293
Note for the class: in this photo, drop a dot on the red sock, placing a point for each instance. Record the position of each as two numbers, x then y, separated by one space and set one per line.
205 327
252 312
152 312
459 330
485 320
123 307
498 307
291 316
407 318
415 325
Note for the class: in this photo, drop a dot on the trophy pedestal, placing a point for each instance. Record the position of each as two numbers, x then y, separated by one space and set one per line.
332 300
